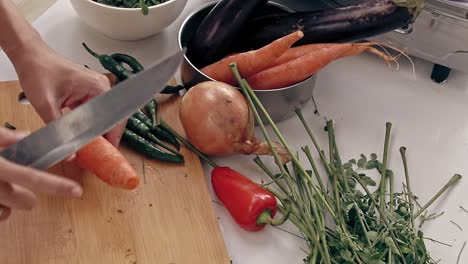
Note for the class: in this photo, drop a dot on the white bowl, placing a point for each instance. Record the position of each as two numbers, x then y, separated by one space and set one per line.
128 23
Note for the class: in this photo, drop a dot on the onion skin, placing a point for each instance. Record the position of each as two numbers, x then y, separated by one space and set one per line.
216 118
218 121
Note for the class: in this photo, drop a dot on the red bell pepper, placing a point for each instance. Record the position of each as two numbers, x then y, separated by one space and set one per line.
251 206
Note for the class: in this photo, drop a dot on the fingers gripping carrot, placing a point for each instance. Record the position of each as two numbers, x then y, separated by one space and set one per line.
253 61
105 161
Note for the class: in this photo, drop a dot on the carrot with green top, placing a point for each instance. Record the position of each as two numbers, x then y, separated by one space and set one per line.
251 62
105 161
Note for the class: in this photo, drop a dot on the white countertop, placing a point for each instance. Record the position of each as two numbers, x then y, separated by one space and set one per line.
360 94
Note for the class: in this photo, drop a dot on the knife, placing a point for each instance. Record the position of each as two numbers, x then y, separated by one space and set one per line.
67 134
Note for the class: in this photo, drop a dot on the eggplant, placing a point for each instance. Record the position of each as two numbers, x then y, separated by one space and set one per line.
334 25
217 31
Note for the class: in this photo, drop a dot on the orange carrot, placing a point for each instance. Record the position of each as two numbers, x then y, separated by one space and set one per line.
108 164
298 69
299 51
251 62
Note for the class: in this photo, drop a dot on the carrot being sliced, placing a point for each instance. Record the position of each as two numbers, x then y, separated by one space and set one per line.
298 69
251 62
105 161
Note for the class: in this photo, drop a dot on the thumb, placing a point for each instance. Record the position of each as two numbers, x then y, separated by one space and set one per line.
8 137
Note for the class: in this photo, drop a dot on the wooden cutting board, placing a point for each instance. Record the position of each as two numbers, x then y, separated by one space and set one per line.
168 219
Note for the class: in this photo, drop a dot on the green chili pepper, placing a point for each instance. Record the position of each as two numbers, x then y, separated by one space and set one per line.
166 135
10 126
137 126
158 131
170 89
110 64
129 60
145 147
152 108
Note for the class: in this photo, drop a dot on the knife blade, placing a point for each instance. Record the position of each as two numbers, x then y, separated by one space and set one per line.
67 134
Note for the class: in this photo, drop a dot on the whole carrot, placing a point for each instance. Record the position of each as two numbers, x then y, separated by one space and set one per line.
296 70
251 62
299 51
105 161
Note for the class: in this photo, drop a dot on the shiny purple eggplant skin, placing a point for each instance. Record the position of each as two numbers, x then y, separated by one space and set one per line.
344 24
219 29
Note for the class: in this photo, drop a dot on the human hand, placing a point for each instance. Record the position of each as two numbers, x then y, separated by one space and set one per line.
52 83
18 184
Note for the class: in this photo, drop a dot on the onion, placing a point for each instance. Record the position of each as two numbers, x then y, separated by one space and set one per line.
219 122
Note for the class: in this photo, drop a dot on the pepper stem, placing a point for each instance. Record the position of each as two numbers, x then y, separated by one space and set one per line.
90 51
265 216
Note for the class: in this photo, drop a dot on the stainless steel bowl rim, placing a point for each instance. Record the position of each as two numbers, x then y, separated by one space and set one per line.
130 8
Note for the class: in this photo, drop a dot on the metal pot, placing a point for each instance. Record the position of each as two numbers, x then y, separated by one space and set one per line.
280 103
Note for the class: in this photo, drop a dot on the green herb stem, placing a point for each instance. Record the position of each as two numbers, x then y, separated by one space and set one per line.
254 103
455 178
361 222
336 152
311 135
438 242
461 251
306 150
388 127
274 178
463 209
457 225
390 183
408 186
252 97
382 216
187 144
